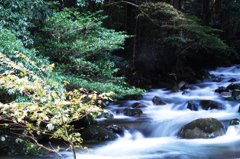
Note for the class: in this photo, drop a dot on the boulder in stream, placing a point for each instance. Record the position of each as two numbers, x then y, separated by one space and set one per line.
204 104
232 80
221 89
97 133
236 94
116 129
132 112
158 101
235 121
233 86
202 128
180 86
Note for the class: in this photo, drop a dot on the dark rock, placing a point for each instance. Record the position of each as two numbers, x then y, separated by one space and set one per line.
138 105
158 101
186 93
204 104
233 86
202 128
132 112
116 129
221 89
217 79
234 122
98 133
209 104
180 86
232 80
192 105
226 93
236 94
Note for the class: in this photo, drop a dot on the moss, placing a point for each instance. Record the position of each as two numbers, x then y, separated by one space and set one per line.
208 125
202 128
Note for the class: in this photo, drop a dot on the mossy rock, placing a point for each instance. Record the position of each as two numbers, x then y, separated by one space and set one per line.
236 94
97 133
235 121
11 145
202 128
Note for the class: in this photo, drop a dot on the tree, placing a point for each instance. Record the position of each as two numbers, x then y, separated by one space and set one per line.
46 108
85 49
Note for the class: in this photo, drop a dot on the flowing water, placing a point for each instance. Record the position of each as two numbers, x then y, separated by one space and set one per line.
153 136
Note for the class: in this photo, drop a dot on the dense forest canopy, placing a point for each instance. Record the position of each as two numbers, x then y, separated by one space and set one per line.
62 57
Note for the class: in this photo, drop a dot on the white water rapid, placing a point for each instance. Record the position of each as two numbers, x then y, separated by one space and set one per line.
153 136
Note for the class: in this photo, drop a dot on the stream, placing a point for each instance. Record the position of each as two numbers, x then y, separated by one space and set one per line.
153 135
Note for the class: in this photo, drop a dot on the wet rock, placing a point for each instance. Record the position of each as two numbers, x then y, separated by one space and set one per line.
204 104
132 112
138 105
232 80
180 86
221 89
158 101
209 104
233 86
192 105
187 93
116 129
226 93
97 133
217 79
11 145
235 121
236 94
202 128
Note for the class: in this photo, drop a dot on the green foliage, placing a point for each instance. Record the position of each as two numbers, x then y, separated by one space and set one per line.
85 49
177 37
23 15
49 108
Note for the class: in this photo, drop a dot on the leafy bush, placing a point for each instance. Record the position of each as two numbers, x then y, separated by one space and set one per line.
81 49
49 108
